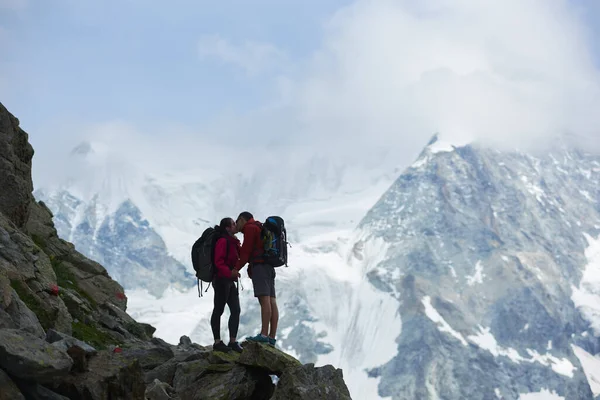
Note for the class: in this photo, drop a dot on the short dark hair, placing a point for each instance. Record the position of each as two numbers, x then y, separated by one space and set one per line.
246 215
226 222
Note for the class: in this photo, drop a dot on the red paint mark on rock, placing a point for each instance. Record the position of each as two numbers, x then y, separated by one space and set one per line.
121 296
54 290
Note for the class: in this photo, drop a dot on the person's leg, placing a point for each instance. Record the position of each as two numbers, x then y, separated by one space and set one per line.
233 302
265 314
220 300
274 309
260 282
274 317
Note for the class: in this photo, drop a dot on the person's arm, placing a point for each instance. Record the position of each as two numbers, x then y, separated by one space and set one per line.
247 247
223 270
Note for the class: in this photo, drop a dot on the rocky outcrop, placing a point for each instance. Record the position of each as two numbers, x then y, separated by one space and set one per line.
65 332
15 164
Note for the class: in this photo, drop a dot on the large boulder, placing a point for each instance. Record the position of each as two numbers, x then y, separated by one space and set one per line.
158 390
269 358
109 376
13 312
309 383
149 356
229 382
30 358
15 165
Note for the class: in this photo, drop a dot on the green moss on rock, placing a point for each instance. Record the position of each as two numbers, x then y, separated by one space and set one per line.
33 302
219 367
39 241
136 330
66 279
92 335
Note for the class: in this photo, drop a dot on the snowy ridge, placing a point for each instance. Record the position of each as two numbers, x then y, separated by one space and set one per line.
478 237
587 295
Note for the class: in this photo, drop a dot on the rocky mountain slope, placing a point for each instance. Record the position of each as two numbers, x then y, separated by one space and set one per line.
65 332
123 241
492 258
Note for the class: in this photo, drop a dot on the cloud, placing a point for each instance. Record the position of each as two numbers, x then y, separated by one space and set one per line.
253 57
389 74
511 73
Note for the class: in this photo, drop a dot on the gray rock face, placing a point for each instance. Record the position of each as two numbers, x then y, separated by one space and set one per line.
15 163
14 313
266 357
74 347
30 358
158 390
309 383
109 376
483 251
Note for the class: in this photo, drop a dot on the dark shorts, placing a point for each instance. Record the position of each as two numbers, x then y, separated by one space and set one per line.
263 280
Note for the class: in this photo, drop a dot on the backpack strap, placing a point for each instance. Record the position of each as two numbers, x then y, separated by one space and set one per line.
200 288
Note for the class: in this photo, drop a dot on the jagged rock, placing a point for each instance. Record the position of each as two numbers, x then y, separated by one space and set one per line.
79 357
182 354
269 358
163 373
20 316
16 251
109 376
222 382
65 341
158 390
147 328
309 383
221 376
149 356
30 358
185 341
108 321
79 351
6 321
15 163
50 310
8 389
161 343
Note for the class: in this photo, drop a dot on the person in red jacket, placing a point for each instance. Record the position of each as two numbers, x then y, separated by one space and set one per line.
227 250
262 275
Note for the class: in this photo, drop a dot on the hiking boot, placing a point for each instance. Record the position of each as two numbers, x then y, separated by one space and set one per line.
272 341
220 346
235 346
258 338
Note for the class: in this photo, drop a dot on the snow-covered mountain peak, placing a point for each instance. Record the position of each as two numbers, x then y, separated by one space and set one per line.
484 250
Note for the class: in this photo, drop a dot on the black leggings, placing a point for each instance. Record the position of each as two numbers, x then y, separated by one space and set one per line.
226 292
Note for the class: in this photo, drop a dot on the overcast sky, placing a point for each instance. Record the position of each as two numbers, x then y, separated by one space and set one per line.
329 74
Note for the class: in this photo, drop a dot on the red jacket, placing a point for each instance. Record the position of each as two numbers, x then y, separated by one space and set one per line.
225 261
252 246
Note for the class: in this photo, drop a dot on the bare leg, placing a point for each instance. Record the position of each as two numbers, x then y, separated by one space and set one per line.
265 313
274 317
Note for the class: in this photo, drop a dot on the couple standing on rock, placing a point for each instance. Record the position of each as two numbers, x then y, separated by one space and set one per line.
230 258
